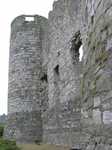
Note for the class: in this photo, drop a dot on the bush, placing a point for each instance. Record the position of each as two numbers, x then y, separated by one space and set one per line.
1 130
38 142
8 145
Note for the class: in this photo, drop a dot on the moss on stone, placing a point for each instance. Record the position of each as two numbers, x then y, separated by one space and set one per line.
8 145
102 57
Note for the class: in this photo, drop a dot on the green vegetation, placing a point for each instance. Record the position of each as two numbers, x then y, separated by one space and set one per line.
1 130
11 145
42 147
6 144
101 57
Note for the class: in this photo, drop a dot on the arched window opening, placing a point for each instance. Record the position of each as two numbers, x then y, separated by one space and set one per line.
76 48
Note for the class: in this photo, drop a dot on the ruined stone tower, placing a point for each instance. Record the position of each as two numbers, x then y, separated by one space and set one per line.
61 121
25 73
53 97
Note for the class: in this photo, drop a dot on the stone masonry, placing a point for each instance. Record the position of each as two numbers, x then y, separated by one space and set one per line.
25 84
53 96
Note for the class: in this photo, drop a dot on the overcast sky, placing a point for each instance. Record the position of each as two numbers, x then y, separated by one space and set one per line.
9 9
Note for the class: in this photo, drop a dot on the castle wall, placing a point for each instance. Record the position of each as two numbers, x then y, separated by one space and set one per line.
93 19
53 97
61 122
96 85
25 84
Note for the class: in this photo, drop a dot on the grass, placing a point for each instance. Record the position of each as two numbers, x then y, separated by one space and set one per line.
8 145
42 147
11 145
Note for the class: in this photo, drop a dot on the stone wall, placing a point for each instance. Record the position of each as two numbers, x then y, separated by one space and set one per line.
93 127
25 79
96 85
61 122
67 101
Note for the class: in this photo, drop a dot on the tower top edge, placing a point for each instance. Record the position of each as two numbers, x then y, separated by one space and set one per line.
22 18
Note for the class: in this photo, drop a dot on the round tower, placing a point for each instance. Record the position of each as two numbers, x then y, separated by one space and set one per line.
25 68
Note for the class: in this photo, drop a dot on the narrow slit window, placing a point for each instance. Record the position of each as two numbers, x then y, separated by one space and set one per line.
57 70
92 19
44 78
81 53
56 74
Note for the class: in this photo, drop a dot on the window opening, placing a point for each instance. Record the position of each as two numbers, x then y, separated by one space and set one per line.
44 78
92 19
77 48
58 53
56 69
29 18
81 53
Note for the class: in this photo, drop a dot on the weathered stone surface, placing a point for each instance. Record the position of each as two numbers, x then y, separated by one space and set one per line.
96 88
24 127
73 97
27 88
